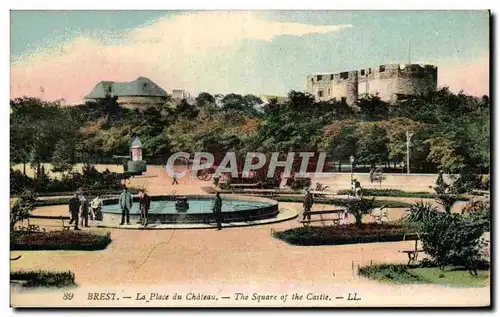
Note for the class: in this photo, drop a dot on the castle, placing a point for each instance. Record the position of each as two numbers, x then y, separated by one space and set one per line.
388 81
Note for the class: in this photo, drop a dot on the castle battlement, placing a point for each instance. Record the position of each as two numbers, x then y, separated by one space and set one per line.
385 80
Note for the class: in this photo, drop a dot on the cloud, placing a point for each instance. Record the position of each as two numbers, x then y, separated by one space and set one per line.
190 51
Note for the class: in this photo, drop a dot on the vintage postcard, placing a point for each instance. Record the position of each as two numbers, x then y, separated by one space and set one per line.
250 159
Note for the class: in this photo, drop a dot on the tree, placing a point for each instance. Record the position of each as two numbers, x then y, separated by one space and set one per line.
340 138
372 143
63 158
22 208
204 99
396 132
359 207
443 152
372 108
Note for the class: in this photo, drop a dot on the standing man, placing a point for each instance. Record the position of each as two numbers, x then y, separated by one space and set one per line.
144 202
126 203
84 210
218 210
74 209
308 203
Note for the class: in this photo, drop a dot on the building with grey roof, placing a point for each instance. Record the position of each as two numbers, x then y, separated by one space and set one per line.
140 93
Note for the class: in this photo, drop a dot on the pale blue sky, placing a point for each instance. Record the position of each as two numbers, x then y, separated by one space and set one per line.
376 37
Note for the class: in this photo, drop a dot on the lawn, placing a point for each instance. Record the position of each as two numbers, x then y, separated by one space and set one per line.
403 274
451 276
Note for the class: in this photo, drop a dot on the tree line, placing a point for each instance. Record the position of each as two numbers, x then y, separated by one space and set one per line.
450 131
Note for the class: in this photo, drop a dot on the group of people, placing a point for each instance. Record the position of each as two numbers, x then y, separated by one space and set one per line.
80 209
126 201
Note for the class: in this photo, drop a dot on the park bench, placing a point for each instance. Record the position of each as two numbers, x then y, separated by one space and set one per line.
336 220
269 192
412 254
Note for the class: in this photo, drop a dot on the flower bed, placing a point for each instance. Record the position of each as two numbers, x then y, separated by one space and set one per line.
59 240
344 234
43 278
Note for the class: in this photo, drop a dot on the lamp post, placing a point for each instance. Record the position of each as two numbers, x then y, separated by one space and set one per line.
408 138
352 162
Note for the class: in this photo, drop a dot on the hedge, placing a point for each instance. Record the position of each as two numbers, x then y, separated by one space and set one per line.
341 201
44 278
389 193
58 240
343 234
393 193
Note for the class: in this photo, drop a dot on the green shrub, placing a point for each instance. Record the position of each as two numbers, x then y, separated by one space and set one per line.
420 212
447 201
90 179
479 211
359 207
22 208
44 278
395 273
466 182
343 234
59 240
451 239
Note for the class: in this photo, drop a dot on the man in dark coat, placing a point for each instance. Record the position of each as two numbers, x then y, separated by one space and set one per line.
308 203
144 203
74 210
126 202
218 210
84 210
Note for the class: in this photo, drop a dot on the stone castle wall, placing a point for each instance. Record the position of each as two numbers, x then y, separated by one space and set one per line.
385 80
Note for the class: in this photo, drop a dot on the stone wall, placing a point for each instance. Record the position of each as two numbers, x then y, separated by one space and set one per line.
385 80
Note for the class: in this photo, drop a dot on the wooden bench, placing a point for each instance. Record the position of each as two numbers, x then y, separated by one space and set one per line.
65 227
412 254
336 221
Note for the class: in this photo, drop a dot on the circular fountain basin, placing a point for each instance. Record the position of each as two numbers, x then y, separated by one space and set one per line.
166 210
